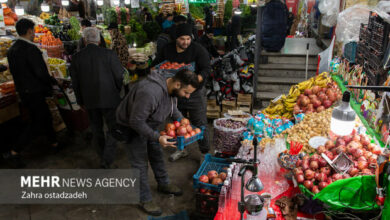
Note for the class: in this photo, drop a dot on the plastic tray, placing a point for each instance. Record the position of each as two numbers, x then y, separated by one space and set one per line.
182 142
209 163
180 216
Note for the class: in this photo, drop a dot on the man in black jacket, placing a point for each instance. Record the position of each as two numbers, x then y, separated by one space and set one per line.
81 44
149 103
97 76
183 50
207 42
33 84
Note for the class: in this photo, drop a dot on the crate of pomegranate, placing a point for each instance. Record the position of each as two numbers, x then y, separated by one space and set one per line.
341 173
211 173
183 133
228 134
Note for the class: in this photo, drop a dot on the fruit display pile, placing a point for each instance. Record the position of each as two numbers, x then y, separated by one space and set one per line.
53 20
48 40
6 75
173 66
315 173
5 44
317 99
213 177
57 67
182 128
313 124
40 29
285 105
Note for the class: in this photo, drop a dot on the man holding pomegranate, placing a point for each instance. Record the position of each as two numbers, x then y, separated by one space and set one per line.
145 108
183 50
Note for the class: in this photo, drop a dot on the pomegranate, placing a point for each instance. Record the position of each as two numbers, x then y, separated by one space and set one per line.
337 176
316 103
362 158
356 138
329 145
192 133
177 124
305 164
347 138
305 101
322 162
300 178
321 149
367 154
222 175
298 171
315 157
340 141
325 170
216 181
367 172
362 165
346 176
189 128
308 184
353 171
364 140
370 146
298 163
309 174
321 177
315 189
185 122
329 155
376 150
341 149
181 131
330 180
327 103
197 130
320 108
296 110
204 179
187 136
171 133
170 126
212 174
316 89
308 92
358 153
322 185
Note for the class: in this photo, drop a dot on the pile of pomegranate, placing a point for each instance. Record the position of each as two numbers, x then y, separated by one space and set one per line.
182 128
213 177
315 173
317 99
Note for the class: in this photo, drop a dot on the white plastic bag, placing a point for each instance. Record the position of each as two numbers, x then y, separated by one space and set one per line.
325 58
382 8
348 23
330 10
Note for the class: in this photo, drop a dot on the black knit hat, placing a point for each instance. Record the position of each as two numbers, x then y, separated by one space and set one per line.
183 29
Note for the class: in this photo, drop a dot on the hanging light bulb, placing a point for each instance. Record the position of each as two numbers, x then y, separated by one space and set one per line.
19 10
45 7
127 2
116 2
134 45
343 117
100 2
65 2
237 12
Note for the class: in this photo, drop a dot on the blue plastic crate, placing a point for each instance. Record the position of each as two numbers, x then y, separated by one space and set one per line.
179 216
190 66
350 51
182 142
209 163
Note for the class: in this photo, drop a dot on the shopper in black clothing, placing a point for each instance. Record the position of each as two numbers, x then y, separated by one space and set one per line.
147 16
84 24
235 29
207 42
183 50
33 84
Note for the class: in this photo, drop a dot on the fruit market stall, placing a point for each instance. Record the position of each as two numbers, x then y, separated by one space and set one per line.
299 155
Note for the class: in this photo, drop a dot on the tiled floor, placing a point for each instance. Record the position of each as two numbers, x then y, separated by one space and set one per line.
80 154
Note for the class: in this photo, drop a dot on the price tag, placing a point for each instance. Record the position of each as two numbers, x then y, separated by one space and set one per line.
134 3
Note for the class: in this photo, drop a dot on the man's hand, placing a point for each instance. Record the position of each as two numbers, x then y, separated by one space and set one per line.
200 78
163 140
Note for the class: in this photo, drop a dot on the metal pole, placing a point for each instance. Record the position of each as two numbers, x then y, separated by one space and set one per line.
257 48
307 60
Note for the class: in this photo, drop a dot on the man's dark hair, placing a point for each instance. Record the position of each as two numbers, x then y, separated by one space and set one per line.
86 23
23 25
187 77
180 19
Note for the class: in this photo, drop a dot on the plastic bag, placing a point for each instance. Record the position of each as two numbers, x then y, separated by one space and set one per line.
330 10
353 193
326 58
227 135
348 23
382 8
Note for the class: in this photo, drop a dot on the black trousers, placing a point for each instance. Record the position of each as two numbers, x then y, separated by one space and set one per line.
104 142
141 152
196 107
41 122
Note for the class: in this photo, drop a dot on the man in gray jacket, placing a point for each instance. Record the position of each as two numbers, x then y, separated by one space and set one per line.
97 76
146 107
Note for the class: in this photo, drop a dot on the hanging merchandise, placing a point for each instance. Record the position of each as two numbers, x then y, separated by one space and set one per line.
134 3
330 11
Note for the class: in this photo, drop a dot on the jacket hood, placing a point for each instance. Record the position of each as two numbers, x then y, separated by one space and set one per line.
160 78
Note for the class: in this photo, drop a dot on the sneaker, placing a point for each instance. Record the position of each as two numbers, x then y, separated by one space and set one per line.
177 155
151 208
170 189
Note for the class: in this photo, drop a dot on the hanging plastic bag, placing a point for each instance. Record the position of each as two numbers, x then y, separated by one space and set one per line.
228 135
348 23
382 9
330 10
326 58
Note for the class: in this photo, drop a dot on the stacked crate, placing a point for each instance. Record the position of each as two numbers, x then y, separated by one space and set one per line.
244 102
220 14
373 41
213 109
228 105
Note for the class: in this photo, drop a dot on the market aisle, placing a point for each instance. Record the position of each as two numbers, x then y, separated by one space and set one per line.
83 156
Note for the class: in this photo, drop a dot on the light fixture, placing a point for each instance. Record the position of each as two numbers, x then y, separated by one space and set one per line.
253 5
45 7
343 117
254 205
134 45
19 10
127 2
99 2
116 2
65 2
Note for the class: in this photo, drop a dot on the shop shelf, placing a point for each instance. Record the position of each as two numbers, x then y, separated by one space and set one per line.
182 142
209 163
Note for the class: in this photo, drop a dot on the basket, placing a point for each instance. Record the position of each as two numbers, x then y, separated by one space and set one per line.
182 142
209 163
206 205
190 67
350 51
179 216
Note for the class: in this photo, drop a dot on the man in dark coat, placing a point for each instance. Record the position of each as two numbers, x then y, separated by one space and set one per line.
184 50
235 29
33 84
207 42
84 24
97 76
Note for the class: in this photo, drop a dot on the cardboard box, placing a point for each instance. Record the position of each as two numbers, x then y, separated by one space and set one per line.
213 115
9 112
